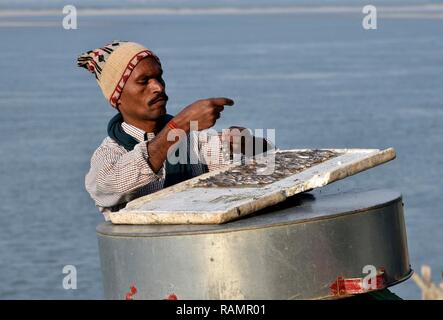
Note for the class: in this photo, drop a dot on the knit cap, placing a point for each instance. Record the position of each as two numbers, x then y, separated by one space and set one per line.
112 65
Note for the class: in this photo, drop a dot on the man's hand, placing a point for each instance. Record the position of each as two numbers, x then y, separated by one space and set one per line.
239 138
242 141
206 112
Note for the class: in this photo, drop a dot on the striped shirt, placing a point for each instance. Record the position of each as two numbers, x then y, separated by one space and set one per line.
118 176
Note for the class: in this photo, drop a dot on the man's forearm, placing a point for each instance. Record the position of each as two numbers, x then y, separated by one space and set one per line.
159 146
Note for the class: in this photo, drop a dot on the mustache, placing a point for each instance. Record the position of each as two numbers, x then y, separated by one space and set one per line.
161 96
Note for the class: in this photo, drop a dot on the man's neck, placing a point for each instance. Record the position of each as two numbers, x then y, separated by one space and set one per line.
146 126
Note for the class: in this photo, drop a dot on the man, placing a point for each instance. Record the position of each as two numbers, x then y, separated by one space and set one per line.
133 160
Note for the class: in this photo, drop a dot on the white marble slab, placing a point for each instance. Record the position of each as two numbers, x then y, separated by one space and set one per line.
184 203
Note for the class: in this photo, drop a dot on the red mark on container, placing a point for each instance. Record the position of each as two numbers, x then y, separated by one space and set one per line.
128 296
132 292
172 296
348 286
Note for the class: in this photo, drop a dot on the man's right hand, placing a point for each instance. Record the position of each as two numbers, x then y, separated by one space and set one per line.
205 111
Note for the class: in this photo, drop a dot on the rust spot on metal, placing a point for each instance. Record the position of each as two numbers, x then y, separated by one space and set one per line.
172 296
132 292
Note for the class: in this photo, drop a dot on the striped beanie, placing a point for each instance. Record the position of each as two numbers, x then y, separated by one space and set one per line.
112 65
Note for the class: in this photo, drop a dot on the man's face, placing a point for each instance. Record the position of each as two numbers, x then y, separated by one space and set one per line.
144 96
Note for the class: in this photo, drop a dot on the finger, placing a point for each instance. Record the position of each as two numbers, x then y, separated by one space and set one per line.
222 101
219 108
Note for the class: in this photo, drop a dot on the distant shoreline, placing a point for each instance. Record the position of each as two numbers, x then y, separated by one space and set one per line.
394 11
16 18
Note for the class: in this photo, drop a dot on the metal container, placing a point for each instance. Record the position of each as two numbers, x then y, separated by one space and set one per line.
294 250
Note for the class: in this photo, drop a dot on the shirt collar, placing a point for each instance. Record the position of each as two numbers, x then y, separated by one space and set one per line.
137 133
